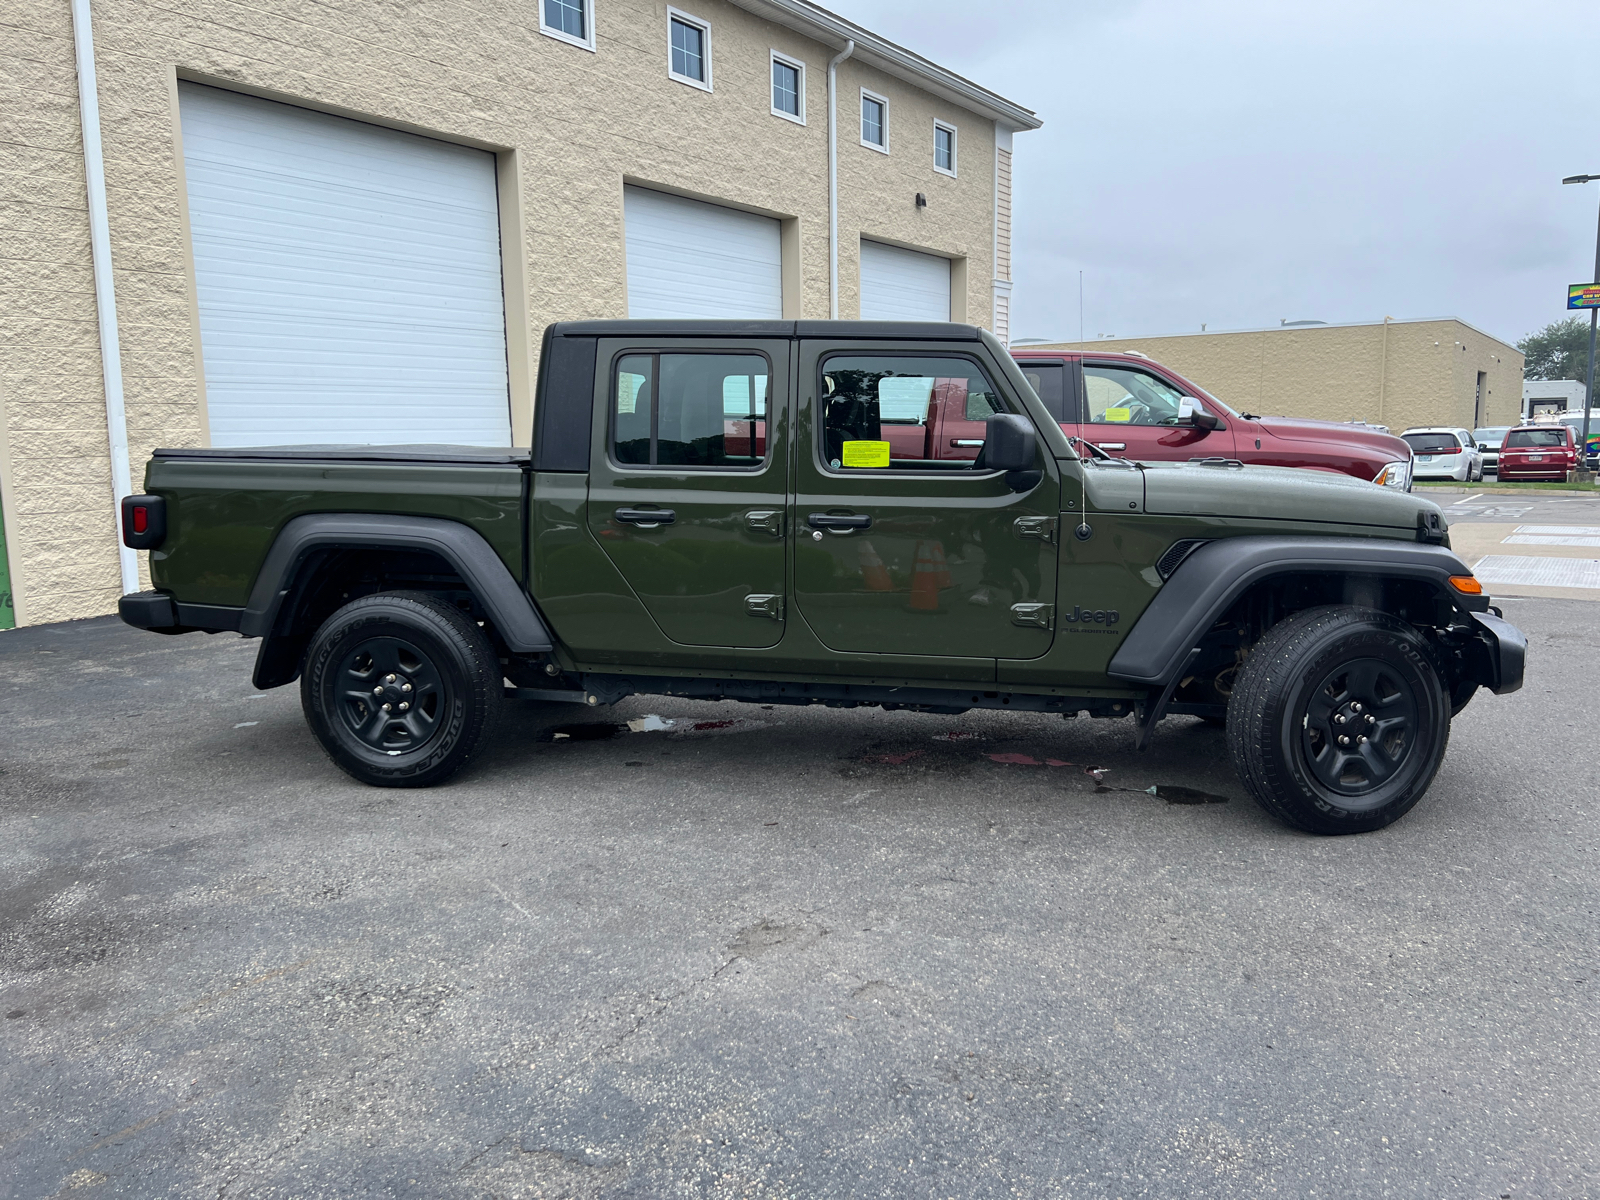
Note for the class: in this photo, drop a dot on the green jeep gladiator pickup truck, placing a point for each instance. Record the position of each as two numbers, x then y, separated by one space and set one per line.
742 510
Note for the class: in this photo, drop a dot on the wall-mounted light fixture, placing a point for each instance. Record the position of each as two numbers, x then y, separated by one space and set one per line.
922 201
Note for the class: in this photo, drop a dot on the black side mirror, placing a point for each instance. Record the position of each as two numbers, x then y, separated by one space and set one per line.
1205 421
1010 445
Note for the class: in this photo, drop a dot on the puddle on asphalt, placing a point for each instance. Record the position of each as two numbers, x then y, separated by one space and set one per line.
1171 793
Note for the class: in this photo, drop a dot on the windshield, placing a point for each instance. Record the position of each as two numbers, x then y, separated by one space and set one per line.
1203 394
1431 443
1536 437
1491 435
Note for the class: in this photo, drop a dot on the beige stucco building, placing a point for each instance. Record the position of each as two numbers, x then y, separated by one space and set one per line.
581 126
1395 373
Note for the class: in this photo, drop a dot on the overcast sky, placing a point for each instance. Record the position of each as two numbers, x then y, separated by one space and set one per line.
1237 163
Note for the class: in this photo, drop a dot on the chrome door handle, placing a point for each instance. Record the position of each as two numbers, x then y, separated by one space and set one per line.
966 441
839 522
646 518
1112 445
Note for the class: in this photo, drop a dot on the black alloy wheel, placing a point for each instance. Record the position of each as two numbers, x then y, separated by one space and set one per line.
401 689
1359 726
392 695
1339 720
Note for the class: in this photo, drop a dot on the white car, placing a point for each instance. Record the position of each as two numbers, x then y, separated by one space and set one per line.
1441 452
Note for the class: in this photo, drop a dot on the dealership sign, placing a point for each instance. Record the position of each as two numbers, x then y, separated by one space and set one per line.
1583 295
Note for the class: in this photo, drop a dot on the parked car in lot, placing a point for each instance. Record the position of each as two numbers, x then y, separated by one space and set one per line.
1445 453
734 510
1132 407
1489 439
1574 422
1538 452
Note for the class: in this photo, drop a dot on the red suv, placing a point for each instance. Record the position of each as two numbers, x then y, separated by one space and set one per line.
1132 407
1538 452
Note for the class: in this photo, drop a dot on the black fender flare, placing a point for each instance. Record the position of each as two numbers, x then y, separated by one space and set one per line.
508 606
1208 582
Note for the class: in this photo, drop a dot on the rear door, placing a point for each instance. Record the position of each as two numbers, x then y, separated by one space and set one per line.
1056 383
1130 412
689 482
914 556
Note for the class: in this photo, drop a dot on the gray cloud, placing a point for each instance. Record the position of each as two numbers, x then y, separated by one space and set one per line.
1237 163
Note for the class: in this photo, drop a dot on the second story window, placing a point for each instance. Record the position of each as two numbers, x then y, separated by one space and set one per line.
568 20
874 121
944 148
689 49
788 88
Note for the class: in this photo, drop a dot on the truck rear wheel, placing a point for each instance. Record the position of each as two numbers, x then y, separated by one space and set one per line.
1339 720
401 689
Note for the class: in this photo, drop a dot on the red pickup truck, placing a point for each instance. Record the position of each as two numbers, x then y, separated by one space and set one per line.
1132 407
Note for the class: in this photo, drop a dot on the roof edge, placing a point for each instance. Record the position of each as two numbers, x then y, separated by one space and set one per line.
824 26
1109 344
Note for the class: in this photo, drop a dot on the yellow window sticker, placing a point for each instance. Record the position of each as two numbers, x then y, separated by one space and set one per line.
866 454
1118 414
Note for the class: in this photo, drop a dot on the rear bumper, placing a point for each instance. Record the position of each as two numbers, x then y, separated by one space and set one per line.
1504 649
160 613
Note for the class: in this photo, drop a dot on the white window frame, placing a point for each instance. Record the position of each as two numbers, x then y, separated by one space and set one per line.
799 66
955 148
562 35
883 100
704 26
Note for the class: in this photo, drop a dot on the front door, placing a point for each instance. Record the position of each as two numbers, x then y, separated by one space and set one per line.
1135 414
688 498
902 551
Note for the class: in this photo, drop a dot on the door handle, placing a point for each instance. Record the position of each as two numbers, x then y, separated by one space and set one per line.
765 520
764 604
1112 445
646 518
839 522
966 441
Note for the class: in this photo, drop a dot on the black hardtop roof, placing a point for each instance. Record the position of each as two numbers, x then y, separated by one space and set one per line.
943 331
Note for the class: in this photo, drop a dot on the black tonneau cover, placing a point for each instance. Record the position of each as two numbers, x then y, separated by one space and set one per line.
467 456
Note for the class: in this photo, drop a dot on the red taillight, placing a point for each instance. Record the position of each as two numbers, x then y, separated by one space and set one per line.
141 518
1452 450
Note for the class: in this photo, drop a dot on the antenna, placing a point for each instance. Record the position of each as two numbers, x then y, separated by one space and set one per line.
1080 304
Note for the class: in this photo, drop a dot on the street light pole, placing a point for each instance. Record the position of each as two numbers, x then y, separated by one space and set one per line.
1594 314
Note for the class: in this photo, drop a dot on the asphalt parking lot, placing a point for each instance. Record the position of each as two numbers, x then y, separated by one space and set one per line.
777 952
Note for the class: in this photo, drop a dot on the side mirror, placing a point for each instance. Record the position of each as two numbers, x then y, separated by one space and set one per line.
1010 443
1190 413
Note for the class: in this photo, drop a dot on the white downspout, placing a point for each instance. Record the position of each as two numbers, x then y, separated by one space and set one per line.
105 297
833 178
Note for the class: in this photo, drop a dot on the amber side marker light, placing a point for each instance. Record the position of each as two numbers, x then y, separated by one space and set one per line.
1466 585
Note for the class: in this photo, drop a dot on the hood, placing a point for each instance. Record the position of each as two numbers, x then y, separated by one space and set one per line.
1279 494
1295 429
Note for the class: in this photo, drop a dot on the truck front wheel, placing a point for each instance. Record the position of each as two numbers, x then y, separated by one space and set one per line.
1339 720
401 689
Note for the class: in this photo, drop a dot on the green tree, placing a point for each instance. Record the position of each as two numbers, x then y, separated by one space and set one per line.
1558 351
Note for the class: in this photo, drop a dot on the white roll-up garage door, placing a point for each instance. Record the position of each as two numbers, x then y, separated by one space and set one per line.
348 278
903 285
687 258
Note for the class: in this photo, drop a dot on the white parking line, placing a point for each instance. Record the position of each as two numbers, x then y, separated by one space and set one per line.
1568 530
1538 572
1550 539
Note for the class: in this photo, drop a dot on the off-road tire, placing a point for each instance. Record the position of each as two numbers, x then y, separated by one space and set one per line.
401 648
1312 667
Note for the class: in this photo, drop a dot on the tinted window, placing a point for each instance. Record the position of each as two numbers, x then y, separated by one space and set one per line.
882 411
785 88
1049 382
693 410
1536 437
872 120
565 15
1431 443
1122 396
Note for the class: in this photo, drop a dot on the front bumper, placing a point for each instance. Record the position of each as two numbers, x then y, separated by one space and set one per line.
1502 651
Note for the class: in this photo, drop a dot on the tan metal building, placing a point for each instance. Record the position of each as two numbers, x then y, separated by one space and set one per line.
1395 373
349 223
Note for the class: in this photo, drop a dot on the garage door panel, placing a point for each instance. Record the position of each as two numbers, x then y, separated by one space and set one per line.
903 285
348 278
687 258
